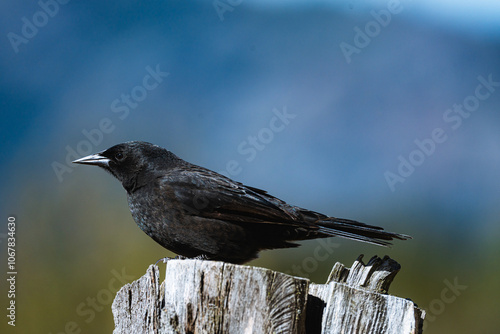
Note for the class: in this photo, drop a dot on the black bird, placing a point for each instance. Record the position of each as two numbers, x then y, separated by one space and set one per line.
196 212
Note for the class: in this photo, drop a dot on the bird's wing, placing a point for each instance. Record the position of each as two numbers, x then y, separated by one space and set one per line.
208 194
205 193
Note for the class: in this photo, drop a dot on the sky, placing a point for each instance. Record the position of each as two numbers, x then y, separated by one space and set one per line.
476 17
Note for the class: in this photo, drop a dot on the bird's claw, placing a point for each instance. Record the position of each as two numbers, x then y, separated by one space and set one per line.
164 260
182 257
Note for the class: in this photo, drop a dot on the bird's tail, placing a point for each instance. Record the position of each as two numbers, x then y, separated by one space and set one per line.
351 229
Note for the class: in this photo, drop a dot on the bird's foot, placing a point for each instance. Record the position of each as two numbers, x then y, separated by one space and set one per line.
165 259
182 257
199 257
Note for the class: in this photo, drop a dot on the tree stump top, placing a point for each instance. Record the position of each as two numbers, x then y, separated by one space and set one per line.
216 297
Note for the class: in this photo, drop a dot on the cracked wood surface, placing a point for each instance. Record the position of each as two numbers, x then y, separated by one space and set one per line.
216 297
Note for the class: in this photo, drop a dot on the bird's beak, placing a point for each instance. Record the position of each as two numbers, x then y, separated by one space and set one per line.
93 159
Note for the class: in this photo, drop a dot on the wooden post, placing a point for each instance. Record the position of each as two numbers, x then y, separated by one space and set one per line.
216 297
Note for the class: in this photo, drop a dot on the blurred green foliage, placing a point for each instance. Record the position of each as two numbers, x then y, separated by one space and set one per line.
72 242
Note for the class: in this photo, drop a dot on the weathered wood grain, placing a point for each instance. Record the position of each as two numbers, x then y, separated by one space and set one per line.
136 307
216 297
356 300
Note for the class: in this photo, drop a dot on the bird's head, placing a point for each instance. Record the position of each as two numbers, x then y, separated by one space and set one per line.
133 163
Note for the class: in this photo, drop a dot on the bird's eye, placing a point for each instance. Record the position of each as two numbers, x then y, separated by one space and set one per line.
119 156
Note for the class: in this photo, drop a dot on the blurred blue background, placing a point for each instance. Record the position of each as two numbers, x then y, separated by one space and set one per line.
361 82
